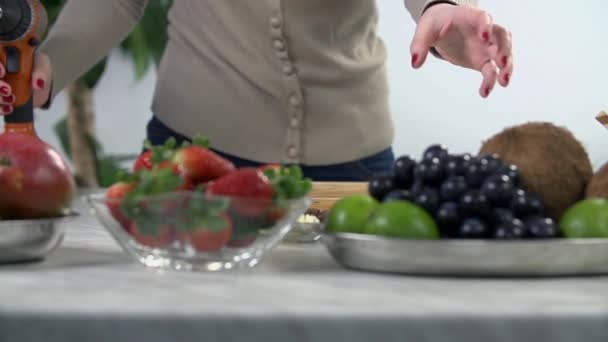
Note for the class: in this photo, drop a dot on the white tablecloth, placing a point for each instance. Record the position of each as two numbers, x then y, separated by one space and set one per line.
90 290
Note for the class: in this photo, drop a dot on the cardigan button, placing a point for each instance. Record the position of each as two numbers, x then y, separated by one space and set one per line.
275 22
292 152
295 123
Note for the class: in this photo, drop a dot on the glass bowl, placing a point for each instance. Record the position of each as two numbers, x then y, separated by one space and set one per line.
305 232
308 228
192 231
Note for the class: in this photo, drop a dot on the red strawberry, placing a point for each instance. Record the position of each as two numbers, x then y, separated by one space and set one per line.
188 185
276 214
114 197
243 241
200 164
164 236
168 164
252 190
209 237
144 161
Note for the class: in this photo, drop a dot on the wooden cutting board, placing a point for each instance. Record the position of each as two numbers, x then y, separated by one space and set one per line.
325 194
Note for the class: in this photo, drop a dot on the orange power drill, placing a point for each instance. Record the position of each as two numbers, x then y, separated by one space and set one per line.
23 24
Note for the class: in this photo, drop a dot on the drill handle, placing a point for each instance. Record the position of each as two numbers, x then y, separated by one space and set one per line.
17 56
18 61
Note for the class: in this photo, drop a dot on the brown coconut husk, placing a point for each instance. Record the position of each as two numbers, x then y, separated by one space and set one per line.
598 187
553 164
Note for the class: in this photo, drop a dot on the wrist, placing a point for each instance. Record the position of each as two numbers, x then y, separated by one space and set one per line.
433 6
437 5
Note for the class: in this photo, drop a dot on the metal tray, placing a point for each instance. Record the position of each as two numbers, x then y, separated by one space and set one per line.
30 240
558 257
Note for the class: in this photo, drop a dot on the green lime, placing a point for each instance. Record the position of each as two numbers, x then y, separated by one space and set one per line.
401 219
586 219
349 214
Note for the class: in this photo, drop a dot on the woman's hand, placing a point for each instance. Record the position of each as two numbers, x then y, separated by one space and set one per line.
467 37
41 85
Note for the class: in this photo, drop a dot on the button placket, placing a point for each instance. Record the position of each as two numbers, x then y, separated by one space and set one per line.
294 123
279 45
275 21
287 68
293 100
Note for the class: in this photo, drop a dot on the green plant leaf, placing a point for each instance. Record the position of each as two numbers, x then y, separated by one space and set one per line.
147 43
92 77
139 52
155 17
109 171
61 131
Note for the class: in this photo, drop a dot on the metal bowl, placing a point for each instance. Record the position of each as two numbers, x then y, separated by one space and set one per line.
30 240
554 257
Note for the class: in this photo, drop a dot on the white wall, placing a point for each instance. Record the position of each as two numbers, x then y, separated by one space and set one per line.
561 75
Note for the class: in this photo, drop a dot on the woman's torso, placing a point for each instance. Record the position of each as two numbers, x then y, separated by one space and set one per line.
277 80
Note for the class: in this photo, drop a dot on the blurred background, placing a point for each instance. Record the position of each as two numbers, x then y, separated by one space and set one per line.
560 76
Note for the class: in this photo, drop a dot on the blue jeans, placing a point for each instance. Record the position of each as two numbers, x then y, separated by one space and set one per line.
355 171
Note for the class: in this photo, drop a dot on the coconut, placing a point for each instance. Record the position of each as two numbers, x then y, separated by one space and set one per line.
552 163
598 187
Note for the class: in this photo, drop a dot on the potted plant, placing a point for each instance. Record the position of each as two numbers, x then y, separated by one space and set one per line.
76 131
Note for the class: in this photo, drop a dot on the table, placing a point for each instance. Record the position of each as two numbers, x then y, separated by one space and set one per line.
89 290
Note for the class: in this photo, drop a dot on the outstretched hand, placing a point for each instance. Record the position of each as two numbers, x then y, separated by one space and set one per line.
465 36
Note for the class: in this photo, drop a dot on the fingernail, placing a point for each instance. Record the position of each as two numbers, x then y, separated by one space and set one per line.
414 59
7 109
505 60
4 90
485 36
486 92
40 83
9 99
507 78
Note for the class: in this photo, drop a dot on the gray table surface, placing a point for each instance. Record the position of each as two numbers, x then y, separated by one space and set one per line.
90 290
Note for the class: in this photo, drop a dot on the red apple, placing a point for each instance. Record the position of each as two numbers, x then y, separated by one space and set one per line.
35 181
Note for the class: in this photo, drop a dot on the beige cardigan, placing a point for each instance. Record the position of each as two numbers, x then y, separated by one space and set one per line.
299 81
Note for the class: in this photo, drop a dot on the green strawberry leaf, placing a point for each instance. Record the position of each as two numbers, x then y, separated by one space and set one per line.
126 176
270 173
148 144
246 226
201 211
289 182
141 201
170 143
200 141
149 225
216 224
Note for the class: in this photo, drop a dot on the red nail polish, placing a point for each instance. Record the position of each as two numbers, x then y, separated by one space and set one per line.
504 60
507 78
486 92
9 99
7 109
485 36
414 59
4 90
40 83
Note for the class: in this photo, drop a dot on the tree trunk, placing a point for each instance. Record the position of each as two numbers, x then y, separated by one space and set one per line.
81 130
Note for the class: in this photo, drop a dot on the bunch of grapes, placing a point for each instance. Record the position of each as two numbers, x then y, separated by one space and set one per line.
469 197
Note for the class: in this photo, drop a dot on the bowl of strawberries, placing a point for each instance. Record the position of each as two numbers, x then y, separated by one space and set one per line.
187 208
